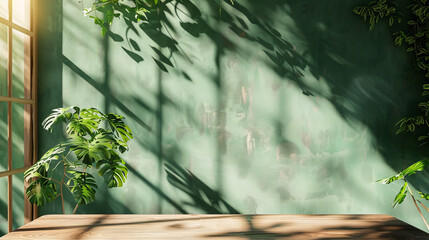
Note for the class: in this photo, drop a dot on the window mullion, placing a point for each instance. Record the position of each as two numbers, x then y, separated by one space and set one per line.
9 123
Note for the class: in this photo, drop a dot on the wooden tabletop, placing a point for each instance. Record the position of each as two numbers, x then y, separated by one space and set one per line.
217 227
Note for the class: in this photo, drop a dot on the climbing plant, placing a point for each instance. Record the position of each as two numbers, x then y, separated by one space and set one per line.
414 33
95 140
104 11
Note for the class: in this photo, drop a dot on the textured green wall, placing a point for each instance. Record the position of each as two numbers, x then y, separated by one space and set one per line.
273 107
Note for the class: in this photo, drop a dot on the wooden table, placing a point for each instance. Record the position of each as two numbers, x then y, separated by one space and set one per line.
217 227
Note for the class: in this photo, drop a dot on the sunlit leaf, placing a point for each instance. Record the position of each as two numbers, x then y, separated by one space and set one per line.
58 115
416 167
401 195
391 179
424 195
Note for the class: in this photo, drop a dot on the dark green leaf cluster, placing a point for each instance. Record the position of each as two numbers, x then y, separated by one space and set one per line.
90 145
376 11
415 33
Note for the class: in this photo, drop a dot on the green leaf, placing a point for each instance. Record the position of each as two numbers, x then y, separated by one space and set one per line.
422 138
401 195
58 115
98 21
81 126
84 121
41 191
398 40
41 167
418 166
391 179
83 186
92 150
119 128
113 170
424 195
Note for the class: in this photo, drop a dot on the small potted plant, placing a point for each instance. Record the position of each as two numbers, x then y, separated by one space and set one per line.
95 140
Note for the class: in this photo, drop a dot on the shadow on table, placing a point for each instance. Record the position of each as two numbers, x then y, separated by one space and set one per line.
391 229
345 227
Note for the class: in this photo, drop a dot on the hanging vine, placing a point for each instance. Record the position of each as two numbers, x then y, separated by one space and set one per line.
415 35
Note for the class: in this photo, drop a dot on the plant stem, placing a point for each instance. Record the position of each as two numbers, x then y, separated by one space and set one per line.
423 205
415 203
50 179
75 208
61 188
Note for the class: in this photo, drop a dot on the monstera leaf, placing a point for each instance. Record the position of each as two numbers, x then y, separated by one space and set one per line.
58 115
113 170
83 186
41 168
92 150
41 191
84 121
119 128
81 126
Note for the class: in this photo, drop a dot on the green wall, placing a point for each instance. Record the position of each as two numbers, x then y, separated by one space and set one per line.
285 107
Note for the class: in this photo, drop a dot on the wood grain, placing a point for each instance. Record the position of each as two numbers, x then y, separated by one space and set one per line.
217 227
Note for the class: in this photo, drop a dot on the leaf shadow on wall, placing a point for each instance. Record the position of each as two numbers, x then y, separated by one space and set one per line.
347 59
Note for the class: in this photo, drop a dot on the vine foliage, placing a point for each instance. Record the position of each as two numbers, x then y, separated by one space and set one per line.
414 34
104 11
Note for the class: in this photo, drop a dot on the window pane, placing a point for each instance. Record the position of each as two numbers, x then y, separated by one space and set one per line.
17 135
21 12
18 200
3 60
3 137
4 11
18 116
3 206
20 65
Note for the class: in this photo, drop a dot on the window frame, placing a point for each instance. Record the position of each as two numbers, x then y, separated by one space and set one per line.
30 105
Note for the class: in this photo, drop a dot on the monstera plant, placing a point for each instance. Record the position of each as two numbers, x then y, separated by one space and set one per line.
95 141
